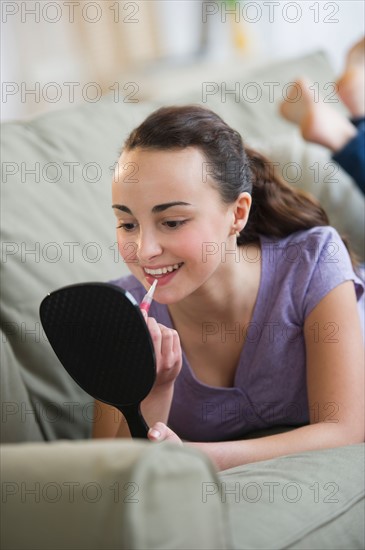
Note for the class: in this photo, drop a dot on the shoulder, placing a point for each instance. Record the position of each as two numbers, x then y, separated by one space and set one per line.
311 263
310 247
304 240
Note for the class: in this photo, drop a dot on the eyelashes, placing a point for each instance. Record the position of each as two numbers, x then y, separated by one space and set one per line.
126 226
177 223
171 224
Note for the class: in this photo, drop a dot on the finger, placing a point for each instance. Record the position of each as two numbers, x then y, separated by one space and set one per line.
167 346
176 346
157 432
160 432
153 434
156 336
145 314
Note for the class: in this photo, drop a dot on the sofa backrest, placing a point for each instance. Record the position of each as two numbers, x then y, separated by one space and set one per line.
57 229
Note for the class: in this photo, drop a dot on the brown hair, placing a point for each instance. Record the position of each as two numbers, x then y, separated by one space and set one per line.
277 209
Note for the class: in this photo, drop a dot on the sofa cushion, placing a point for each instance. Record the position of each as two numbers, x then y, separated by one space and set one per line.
306 501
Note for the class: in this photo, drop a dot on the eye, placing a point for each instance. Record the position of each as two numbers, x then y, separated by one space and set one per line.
175 224
127 226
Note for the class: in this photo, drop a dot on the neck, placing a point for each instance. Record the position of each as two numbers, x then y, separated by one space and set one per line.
226 297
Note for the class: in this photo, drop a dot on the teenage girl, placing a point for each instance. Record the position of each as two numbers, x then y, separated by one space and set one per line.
255 321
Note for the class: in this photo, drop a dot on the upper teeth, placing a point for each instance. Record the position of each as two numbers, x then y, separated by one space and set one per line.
162 270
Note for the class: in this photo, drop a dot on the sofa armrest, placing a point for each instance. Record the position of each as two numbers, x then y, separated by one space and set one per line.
108 494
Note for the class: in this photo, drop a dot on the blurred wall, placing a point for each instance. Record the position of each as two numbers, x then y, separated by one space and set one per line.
57 53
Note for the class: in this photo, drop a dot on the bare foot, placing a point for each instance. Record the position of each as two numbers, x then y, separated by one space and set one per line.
318 122
351 84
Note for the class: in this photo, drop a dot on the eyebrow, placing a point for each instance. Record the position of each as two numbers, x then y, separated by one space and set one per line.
155 209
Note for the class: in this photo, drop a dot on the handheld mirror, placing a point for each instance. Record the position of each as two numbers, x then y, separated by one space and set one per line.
98 333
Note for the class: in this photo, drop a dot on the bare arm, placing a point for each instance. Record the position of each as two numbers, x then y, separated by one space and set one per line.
335 382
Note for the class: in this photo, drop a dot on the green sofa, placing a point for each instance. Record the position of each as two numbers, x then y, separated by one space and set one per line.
60 488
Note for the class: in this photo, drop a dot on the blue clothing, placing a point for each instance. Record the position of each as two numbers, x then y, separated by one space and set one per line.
270 381
352 157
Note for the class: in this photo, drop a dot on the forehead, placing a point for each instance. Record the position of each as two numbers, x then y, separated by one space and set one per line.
154 169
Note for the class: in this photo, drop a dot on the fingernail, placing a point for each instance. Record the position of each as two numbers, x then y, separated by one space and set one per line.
154 433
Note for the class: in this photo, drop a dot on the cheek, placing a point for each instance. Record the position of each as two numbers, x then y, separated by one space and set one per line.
202 257
188 245
127 249
203 247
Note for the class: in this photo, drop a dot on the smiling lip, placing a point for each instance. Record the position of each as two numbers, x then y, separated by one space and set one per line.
163 278
161 270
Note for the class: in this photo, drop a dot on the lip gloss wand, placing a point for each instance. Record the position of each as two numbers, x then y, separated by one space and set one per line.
147 300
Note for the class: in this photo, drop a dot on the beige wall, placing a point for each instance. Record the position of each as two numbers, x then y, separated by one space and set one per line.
61 52
49 45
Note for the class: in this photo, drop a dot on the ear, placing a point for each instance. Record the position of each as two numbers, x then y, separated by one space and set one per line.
241 210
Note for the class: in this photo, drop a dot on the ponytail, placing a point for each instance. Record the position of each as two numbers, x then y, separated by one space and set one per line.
277 209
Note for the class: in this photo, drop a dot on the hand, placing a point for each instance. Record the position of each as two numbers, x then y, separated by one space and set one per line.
160 432
166 343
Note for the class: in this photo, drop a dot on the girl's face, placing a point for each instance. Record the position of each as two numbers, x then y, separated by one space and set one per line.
168 218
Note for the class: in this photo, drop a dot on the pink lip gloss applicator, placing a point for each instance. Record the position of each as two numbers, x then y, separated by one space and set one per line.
147 300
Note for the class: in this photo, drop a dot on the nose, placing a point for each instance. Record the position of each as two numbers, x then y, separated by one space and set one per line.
148 246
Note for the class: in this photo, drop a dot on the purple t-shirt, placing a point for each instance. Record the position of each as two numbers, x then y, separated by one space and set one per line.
270 381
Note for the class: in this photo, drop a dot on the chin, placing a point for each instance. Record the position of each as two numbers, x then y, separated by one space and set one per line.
169 299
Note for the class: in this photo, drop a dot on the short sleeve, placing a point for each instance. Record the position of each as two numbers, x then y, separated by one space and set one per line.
331 267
